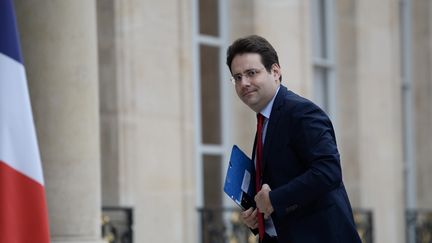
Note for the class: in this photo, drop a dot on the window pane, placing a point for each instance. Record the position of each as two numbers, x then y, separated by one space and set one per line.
210 95
319 28
208 17
321 88
212 180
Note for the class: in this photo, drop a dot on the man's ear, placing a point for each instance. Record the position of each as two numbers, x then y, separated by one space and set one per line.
276 71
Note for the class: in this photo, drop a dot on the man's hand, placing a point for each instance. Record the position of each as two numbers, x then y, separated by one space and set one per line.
249 218
263 202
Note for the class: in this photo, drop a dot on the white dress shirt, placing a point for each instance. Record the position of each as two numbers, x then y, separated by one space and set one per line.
266 112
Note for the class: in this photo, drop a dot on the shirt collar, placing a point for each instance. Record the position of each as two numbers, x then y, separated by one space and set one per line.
267 109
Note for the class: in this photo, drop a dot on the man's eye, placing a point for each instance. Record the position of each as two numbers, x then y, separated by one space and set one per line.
237 77
251 73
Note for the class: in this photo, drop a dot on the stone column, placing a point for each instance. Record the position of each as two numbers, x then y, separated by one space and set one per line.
286 25
380 128
147 116
242 119
60 56
347 97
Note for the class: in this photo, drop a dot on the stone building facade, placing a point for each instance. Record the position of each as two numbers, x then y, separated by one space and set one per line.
133 106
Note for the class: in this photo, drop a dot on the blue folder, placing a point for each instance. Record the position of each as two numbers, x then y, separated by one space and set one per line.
240 179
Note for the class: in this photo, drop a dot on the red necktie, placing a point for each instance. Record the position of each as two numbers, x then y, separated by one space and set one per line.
258 168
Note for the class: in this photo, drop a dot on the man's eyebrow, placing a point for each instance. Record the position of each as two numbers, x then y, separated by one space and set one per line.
247 70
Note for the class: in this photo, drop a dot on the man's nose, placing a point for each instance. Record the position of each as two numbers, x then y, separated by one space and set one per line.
245 81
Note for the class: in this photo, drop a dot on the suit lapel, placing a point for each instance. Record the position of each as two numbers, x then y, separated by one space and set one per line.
272 123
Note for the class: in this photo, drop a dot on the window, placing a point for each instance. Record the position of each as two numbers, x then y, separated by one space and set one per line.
323 55
211 97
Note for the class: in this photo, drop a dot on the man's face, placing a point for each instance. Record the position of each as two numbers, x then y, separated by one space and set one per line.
254 85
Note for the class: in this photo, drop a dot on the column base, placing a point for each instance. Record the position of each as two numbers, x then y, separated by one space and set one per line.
75 240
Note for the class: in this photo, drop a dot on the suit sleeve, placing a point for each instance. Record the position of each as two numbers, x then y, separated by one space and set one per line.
315 145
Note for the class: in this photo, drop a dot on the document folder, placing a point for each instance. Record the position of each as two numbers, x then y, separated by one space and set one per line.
240 179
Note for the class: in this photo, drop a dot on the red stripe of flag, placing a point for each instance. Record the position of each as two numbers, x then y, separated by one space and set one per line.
22 208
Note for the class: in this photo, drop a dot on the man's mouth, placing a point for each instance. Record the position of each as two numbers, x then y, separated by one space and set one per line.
246 93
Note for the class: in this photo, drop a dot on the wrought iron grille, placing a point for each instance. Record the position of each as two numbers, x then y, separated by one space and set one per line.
419 226
223 225
363 221
220 225
117 224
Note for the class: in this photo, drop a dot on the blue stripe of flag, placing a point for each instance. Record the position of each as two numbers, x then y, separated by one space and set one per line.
9 39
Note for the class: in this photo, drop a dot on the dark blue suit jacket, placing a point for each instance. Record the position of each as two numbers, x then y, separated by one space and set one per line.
301 165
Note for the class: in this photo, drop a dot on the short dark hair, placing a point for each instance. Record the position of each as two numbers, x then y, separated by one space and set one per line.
253 44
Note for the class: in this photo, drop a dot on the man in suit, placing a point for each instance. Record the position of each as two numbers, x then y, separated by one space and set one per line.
300 195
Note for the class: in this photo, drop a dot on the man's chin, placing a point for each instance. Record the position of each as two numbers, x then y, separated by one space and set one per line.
249 102
253 106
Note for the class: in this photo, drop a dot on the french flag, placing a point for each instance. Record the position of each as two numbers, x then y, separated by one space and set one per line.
23 210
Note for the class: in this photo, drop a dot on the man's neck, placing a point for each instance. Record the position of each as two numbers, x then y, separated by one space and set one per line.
266 111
